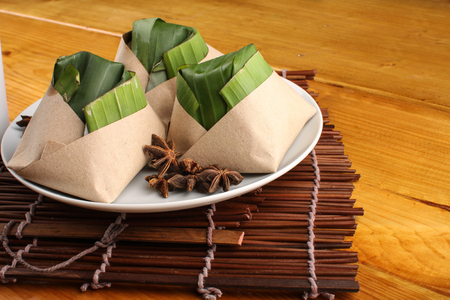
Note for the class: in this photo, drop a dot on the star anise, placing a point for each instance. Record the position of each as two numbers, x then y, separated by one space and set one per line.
178 181
202 186
158 183
188 182
163 154
186 174
217 177
24 122
161 184
189 166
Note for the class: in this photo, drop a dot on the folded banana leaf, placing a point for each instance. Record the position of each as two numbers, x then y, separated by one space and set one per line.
207 91
83 77
122 101
163 47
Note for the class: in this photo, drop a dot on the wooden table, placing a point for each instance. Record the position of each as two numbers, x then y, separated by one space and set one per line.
382 71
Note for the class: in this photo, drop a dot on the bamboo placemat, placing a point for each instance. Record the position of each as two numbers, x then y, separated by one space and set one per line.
291 234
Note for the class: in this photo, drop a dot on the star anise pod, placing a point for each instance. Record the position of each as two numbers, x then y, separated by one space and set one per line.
166 177
178 181
24 122
187 182
189 166
191 182
163 154
202 186
217 177
160 184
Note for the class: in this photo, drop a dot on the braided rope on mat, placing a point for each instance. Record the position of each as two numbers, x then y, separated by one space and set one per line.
95 279
28 219
108 238
312 217
210 293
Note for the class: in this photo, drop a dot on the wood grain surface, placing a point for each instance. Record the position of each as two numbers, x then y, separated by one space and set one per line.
382 71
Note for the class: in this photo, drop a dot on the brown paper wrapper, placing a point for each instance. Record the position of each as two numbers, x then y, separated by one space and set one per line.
97 166
253 137
52 120
162 97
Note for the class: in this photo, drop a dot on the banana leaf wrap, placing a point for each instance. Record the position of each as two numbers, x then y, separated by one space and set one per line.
154 50
55 152
207 91
253 135
83 77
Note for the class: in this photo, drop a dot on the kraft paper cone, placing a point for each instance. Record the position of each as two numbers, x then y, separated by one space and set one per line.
253 137
99 165
162 97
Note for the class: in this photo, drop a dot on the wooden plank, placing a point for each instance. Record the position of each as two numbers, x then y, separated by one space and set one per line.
397 146
387 48
403 237
30 49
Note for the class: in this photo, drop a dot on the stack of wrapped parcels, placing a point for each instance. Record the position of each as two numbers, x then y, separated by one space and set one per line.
180 77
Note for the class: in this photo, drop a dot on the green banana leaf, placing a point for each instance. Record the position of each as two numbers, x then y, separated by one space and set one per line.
82 77
162 47
122 101
68 83
207 91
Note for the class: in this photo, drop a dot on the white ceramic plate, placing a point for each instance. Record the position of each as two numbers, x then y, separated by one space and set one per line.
137 197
